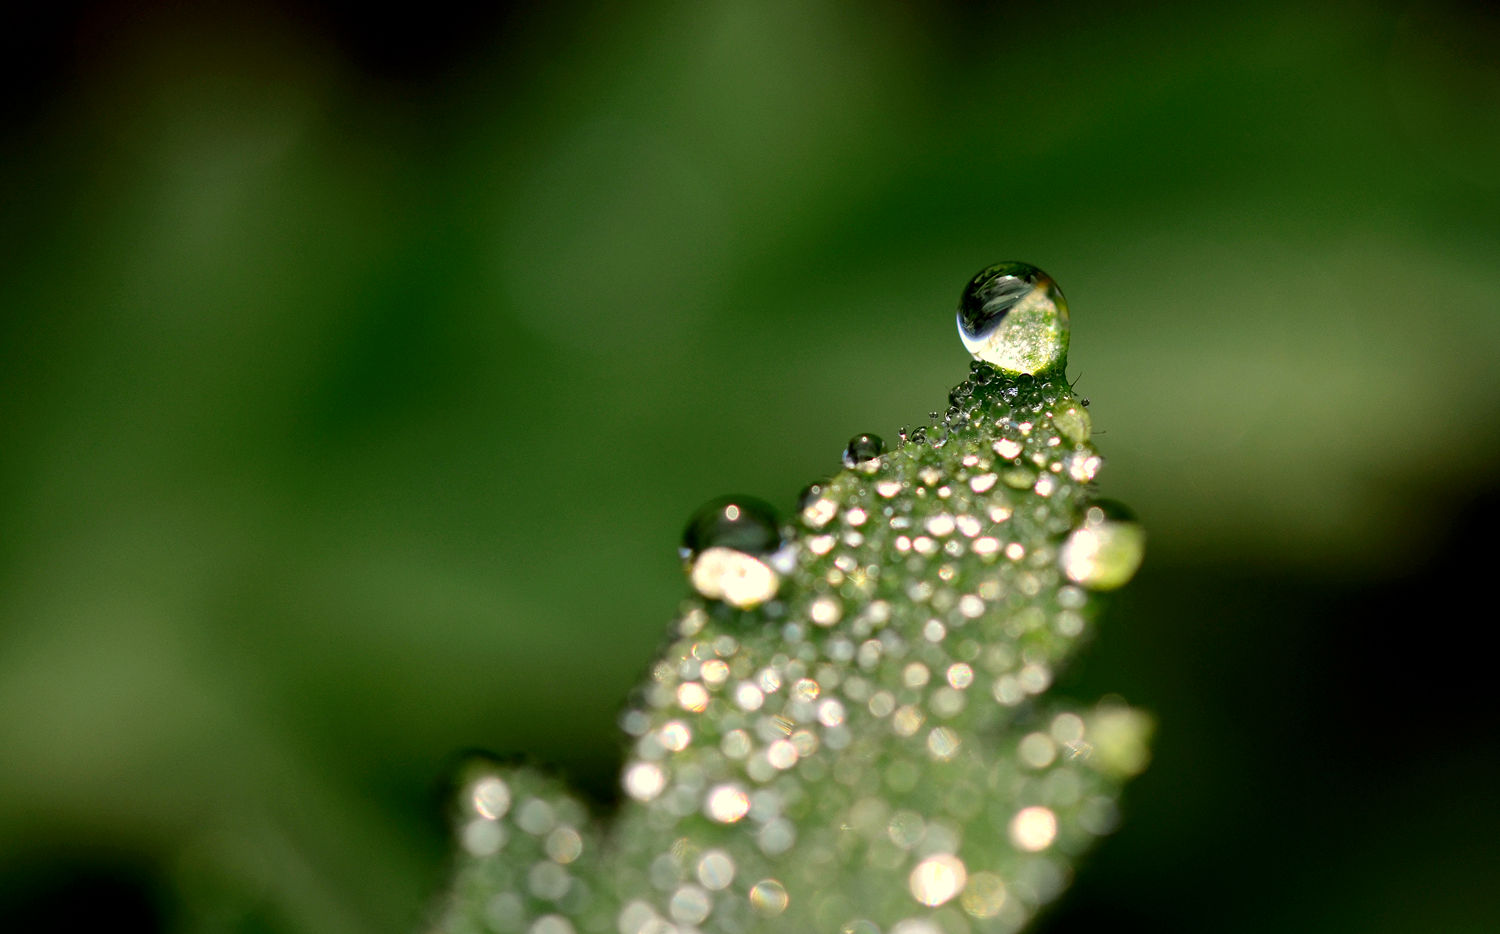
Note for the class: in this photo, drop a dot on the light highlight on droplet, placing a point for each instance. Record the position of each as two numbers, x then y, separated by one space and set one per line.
490 797
937 879
1033 828
727 803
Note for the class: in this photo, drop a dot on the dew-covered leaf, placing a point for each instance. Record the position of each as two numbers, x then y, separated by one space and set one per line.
852 727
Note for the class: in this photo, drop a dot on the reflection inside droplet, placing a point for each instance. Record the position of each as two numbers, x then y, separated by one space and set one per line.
1012 315
863 448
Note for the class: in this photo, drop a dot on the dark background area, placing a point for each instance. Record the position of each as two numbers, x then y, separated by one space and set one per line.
358 370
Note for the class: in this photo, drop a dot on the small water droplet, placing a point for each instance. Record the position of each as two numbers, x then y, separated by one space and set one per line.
480 788
716 869
1073 423
1033 829
810 494
769 897
1121 737
984 896
1104 552
937 879
690 905
862 448
1013 316
727 803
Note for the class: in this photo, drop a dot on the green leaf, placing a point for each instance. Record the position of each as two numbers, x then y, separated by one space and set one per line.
852 727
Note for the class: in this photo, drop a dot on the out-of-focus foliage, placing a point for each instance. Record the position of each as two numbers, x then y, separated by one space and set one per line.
349 413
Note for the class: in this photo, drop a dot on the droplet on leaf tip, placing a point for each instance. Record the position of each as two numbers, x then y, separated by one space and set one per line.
1013 316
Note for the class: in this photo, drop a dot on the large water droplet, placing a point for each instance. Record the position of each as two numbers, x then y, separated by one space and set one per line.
862 448
1012 315
743 523
1104 552
727 547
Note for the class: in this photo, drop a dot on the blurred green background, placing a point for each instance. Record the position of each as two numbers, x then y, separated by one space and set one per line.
358 370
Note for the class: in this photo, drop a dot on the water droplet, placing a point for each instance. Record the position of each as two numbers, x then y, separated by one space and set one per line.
1073 423
742 523
937 879
769 897
490 797
690 905
716 870
727 803
1037 750
825 611
1012 315
564 845
482 789
811 494
482 837
1121 737
984 896
728 545
637 917
1008 448
1033 829
862 448
1104 552
551 924
644 781
943 742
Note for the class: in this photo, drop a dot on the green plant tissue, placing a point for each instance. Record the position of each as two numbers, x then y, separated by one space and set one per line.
851 728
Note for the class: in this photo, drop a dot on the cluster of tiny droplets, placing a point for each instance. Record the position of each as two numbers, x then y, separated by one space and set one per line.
863 748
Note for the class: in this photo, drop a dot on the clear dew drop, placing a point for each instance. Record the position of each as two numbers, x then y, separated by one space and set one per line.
863 448
1106 550
1013 316
728 548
